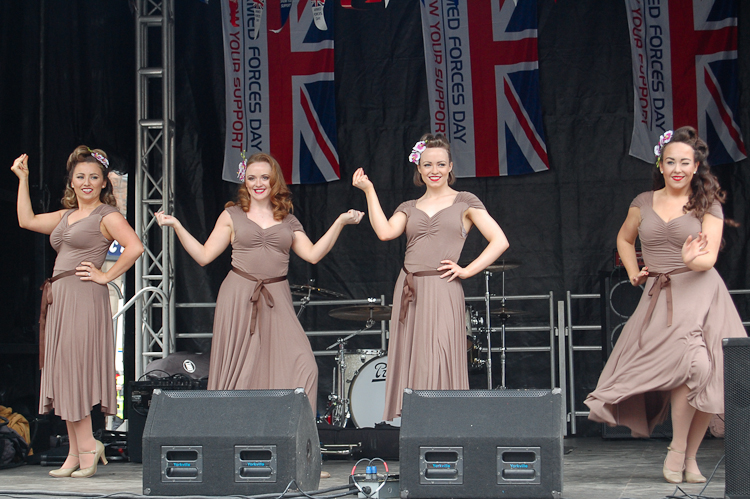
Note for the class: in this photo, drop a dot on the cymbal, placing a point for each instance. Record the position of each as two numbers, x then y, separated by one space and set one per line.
362 312
503 265
305 290
502 311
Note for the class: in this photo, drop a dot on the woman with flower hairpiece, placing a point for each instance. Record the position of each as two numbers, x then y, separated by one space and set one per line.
76 344
427 347
258 343
669 352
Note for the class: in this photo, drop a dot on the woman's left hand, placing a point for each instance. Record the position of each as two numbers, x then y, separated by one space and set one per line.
88 272
452 269
693 248
351 217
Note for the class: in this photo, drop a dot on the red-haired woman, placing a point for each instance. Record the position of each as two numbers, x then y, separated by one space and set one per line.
258 343
77 353
669 353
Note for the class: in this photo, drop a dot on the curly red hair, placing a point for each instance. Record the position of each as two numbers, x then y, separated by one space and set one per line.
281 196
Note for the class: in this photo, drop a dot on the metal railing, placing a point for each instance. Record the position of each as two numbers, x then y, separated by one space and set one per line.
570 336
150 338
382 331
518 329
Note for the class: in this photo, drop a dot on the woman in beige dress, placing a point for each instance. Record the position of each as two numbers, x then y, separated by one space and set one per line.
669 352
427 347
77 354
258 343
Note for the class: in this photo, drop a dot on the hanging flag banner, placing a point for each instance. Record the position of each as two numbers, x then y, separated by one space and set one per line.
483 83
685 73
280 96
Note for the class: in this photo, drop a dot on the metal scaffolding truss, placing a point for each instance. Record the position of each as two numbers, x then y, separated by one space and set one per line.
154 181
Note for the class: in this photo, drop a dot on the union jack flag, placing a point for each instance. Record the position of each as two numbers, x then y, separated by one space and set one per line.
696 57
483 79
285 87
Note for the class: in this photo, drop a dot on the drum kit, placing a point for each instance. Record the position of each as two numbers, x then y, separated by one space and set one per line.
359 375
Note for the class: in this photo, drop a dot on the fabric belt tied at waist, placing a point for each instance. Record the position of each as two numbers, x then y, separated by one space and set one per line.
409 293
46 301
662 281
260 289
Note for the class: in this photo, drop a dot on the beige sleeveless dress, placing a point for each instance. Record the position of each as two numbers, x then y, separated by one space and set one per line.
79 364
650 358
277 354
428 350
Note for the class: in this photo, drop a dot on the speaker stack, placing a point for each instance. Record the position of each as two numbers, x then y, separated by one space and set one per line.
481 443
229 443
737 417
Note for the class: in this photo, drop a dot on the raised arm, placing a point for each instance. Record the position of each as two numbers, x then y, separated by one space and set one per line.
626 247
44 223
114 226
700 254
384 228
495 236
217 242
313 253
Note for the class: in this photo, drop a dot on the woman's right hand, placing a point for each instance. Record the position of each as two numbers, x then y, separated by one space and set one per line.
163 219
640 277
361 181
21 166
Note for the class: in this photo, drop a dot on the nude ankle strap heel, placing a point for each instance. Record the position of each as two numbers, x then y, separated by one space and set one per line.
91 470
63 472
694 477
669 475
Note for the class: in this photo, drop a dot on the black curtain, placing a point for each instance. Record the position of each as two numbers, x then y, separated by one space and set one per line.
561 224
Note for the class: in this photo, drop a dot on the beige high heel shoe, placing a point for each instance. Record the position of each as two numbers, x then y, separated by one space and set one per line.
63 472
694 477
91 470
669 475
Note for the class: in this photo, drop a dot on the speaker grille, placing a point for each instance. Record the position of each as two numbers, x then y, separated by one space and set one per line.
737 416
481 393
222 394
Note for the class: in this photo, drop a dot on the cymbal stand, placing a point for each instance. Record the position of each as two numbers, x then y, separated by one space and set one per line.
306 299
487 275
339 400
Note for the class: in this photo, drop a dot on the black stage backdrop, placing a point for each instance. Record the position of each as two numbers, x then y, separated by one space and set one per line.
561 224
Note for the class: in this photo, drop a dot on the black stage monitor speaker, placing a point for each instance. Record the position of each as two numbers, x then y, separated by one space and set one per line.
481 443
243 442
138 396
737 417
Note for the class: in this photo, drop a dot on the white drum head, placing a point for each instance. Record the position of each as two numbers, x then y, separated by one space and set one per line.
367 394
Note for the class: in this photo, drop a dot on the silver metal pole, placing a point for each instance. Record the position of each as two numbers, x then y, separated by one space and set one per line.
487 275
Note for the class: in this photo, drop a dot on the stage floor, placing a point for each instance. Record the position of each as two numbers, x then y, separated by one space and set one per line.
593 469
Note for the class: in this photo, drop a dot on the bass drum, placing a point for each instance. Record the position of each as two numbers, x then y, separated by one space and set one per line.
367 394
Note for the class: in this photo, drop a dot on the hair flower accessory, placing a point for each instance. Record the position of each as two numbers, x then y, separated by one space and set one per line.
242 167
416 151
663 140
101 159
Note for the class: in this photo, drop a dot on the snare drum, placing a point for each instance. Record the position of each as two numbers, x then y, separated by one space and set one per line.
354 360
367 394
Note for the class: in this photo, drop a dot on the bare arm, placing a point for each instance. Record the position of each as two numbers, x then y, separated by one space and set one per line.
384 228
626 247
44 223
498 244
313 253
700 254
114 226
217 242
